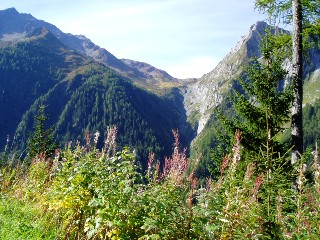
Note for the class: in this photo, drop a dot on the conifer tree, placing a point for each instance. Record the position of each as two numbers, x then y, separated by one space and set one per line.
264 106
41 141
262 109
304 15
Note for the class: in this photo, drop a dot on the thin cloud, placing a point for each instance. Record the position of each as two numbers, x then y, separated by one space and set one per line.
194 67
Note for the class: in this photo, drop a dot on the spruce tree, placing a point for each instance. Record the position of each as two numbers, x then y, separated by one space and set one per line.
41 141
304 15
262 108
262 104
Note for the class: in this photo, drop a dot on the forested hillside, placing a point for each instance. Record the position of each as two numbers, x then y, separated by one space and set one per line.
28 70
81 95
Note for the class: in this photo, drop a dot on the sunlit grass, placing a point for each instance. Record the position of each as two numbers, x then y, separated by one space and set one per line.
23 220
311 89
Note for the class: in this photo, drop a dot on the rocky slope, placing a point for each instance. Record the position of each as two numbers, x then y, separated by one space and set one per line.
210 89
312 77
208 92
148 70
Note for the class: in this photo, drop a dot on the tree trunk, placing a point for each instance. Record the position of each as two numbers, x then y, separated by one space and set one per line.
296 114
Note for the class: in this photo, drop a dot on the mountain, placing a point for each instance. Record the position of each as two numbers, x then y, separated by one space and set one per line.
206 95
81 94
14 26
149 70
29 69
208 92
202 97
85 87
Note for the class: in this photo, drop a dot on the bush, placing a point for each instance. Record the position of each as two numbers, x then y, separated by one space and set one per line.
84 193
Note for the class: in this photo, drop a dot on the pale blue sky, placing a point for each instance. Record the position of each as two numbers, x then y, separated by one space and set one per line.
187 38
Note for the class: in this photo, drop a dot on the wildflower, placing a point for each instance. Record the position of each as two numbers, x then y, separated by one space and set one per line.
209 182
96 137
257 185
236 148
249 171
150 162
224 163
110 144
157 170
176 166
258 182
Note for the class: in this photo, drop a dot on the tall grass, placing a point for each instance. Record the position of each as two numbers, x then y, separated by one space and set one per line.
85 193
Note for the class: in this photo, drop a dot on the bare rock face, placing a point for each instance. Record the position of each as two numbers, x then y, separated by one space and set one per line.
210 89
204 95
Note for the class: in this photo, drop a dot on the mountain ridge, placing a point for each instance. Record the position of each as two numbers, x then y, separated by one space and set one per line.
208 91
81 95
37 62
18 24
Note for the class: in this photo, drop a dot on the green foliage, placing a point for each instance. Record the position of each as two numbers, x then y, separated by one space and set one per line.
90 98
22 214
265 206
29 69
90 194
282 10
41 140
210 146
21 220
311 124
102 197
96 193
264 106
261 111
80 95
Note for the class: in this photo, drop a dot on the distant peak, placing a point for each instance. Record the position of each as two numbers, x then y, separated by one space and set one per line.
259 25
10 11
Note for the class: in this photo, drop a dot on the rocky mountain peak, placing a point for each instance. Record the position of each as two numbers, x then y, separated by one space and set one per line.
209 91
259 26
251 39
9 11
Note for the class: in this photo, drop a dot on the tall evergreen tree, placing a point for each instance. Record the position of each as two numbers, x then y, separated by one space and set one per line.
304 15
264 106
262 109
41 141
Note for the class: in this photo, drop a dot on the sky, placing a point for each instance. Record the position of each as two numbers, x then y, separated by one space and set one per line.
186 38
